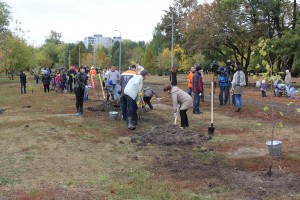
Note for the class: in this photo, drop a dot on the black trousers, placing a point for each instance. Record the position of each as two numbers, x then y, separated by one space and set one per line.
184 118
23 88
79 93
46 87
147 101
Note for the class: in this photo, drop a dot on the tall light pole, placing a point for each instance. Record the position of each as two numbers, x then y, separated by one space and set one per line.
172 41
78 55
94 53
120 51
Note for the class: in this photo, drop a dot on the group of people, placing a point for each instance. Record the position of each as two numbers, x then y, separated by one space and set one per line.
128 88
231 79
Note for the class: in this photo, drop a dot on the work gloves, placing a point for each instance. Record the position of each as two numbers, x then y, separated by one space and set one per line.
140 94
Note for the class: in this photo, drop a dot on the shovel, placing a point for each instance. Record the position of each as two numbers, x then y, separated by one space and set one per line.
29 85
211 129
175 121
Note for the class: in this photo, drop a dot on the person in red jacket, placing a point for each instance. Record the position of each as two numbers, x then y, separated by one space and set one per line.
197 89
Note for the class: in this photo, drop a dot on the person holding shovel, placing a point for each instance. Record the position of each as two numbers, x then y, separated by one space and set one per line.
182 100
132 91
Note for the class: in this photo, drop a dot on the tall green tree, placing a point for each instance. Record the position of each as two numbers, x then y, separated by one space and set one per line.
149 61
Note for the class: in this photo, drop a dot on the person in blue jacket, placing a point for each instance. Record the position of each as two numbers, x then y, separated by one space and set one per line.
224 86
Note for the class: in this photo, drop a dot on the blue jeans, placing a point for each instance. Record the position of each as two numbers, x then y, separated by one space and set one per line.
190 91
225 90
238 100
196 103
116 91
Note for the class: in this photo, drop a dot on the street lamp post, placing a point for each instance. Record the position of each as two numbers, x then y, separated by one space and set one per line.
94 53
79 55
120 51
172 41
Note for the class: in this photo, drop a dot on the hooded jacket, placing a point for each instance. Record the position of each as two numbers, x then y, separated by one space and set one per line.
182 98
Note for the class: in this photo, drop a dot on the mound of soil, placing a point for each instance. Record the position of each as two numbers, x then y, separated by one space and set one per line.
170 135
105 107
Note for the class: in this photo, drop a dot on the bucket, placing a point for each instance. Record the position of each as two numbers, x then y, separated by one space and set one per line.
113 115
275 149
258 84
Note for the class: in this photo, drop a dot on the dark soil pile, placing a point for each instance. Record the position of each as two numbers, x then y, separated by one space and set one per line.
105 107
170 135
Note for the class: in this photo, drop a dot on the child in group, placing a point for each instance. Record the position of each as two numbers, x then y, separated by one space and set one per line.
148 94
263 88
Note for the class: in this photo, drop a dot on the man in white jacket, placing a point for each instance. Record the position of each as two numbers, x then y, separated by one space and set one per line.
132 90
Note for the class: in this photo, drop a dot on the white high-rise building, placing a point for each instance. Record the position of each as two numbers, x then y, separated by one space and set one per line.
98 39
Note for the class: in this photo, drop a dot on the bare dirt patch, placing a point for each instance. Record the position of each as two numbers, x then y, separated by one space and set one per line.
170 135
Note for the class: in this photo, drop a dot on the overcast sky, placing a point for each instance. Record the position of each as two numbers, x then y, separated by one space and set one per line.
77 19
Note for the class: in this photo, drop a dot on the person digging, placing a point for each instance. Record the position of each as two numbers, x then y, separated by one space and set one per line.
183 99
132 91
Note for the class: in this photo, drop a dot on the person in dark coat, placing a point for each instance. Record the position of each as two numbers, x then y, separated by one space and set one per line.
197 89
81 82
46 81
23 80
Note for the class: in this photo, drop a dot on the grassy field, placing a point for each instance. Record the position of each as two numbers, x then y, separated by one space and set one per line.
46 153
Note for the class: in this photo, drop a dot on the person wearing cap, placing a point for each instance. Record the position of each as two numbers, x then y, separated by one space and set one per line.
238 82
224 86
132 91
46 81
197 89
81 82
182 101
287 81
125 77
190 80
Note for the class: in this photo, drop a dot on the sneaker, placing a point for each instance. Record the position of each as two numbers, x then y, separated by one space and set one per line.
77 114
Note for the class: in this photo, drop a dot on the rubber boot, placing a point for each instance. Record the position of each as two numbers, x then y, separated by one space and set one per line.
130 123
135 120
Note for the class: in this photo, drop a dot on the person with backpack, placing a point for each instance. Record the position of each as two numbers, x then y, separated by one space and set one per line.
46 79
223 77
238 83
23 80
